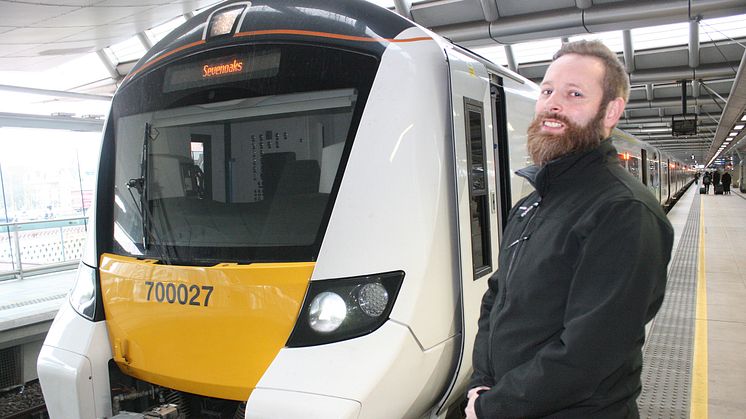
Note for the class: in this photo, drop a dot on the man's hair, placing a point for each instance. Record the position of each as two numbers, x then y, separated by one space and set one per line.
616 81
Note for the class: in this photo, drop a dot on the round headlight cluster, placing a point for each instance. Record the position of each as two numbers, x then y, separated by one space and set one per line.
328 310
372 299
344 308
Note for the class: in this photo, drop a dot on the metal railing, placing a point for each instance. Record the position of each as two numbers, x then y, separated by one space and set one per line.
36 247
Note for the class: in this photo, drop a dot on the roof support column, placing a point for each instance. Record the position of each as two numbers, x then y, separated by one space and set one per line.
511 58
144 40
109 65
694 43
404 8
629 51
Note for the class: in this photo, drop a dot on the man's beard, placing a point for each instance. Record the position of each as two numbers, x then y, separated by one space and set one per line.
544 147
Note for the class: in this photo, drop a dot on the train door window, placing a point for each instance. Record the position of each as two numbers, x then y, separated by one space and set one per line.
623 158
633 166
644 166
478 191
502 155
201 178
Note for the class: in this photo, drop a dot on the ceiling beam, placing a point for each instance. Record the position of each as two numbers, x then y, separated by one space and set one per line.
654 120
664 103
18 120
54 93
576 21
489 7
667 74
677 141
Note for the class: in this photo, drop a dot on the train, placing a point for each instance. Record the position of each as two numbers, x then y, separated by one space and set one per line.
298 206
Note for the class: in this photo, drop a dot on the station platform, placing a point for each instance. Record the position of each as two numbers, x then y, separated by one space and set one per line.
693 362
693 358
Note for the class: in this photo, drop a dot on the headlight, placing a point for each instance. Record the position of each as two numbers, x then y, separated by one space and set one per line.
339 309
327 312
83 294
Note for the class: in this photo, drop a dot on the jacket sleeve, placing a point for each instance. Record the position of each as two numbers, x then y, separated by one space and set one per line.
617 286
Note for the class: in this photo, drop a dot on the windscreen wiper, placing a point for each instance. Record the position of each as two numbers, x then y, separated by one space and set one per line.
141 186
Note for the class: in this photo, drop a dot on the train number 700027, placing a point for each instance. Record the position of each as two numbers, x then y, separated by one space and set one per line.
171 293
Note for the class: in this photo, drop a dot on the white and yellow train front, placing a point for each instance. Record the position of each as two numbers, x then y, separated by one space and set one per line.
296 214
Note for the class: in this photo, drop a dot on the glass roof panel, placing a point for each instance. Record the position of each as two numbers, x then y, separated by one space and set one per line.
528 52
660 36
160 31
495 53
722 28
384 3
613 39
128 50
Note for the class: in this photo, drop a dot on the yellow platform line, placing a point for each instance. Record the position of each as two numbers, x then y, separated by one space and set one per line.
699 396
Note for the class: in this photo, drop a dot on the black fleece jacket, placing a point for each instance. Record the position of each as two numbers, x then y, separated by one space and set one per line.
582 269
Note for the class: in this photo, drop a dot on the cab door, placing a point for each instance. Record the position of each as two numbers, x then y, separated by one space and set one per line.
475 200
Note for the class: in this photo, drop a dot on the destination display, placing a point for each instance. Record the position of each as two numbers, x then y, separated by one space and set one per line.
200 73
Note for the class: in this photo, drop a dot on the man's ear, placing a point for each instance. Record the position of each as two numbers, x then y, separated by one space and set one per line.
614 111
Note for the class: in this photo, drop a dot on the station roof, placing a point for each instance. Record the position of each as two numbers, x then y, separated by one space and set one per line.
85 47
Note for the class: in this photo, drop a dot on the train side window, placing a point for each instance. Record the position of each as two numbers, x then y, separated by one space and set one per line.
478 191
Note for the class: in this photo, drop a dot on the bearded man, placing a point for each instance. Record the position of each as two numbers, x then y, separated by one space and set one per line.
582 263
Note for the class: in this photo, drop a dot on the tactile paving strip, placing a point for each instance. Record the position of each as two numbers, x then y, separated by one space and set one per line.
32 301
667 355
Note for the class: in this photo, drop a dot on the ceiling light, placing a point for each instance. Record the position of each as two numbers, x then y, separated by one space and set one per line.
743 118
733 134
738 127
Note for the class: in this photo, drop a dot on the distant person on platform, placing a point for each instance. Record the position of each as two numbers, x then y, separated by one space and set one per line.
715 177
582 263
706 180
726 179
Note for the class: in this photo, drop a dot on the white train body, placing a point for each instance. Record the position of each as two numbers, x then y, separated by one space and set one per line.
408 177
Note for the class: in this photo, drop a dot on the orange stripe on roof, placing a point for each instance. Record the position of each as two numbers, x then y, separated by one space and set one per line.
155 60
329 35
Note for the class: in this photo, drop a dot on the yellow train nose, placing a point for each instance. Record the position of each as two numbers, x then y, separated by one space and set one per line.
211 331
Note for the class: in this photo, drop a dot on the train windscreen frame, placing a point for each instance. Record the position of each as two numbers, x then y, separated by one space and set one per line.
234 154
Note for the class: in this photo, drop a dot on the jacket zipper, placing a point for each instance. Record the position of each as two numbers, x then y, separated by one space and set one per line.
516 243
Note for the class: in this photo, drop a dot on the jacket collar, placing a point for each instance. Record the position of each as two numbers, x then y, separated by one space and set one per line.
567 167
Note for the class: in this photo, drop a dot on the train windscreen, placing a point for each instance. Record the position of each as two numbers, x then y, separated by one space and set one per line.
235 155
